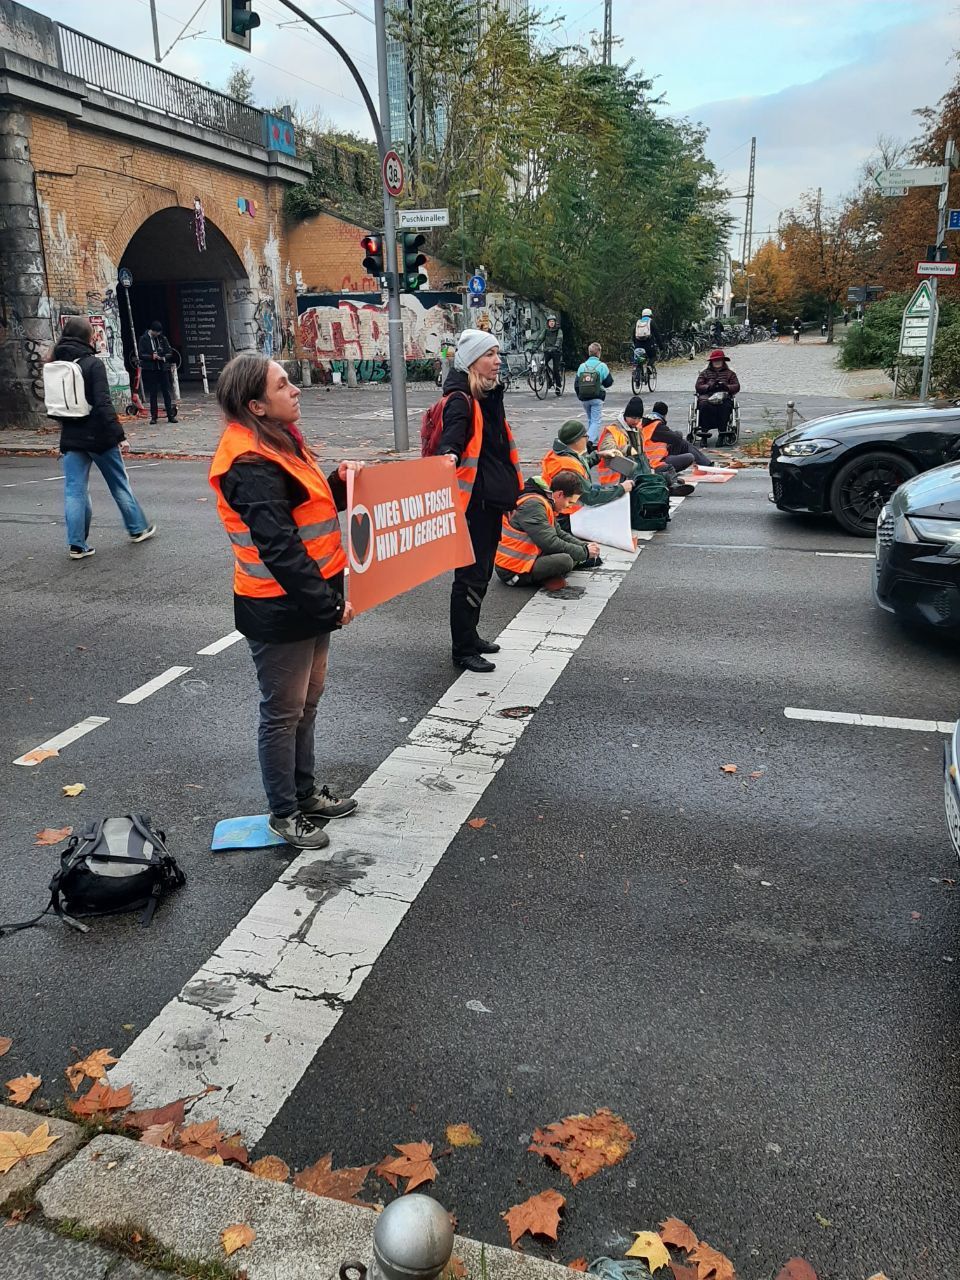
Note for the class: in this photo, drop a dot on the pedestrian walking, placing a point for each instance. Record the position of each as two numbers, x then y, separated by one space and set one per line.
280 514
156 356
591 383
477 435
93 439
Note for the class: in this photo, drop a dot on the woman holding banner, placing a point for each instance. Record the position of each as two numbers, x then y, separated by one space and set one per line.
280 514
476 433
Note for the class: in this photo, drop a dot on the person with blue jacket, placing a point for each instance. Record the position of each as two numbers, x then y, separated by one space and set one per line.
591 383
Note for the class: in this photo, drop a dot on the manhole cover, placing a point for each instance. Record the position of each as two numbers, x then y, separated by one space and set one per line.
516 713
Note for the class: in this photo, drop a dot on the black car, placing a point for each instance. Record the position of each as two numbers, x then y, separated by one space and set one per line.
918 550
848 464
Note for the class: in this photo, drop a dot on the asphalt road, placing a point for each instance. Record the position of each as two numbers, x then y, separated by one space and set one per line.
759 974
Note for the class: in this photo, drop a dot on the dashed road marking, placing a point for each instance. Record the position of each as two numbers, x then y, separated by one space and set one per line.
63 739
218 646
16 484
849 555
870 722
145 690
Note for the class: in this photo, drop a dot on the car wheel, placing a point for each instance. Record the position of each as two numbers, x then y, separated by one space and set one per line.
863 485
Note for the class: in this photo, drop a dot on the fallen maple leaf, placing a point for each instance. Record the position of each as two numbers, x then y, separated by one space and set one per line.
711 1263
578 1264
239 1236
342 1184
797 1269
413 1163
680 1272
16 1146
462 1135
101 1097
214 1159
728 768
173 1112
53 835
5 1043
39 754
651 1249
94 1067
204 1134
158 1135
22 1087
74 788
270 1167
675 1232
581 1146
538 1216
477 823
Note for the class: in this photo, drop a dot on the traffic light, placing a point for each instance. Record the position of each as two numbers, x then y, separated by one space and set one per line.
238 21
373 262
411 242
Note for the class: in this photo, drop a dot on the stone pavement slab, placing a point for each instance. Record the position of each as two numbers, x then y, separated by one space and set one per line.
185 1204
29 1252
26 1173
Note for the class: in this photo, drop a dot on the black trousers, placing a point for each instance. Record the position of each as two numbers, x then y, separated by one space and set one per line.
551 362
470 583
156 380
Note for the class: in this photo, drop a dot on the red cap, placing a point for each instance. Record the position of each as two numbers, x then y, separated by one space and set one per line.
717 355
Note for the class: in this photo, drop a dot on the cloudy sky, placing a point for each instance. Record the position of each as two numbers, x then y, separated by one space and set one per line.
815 80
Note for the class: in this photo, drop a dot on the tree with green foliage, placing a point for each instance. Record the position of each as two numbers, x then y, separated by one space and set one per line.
240 83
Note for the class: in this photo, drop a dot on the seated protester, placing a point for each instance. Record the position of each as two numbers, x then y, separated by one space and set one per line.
570 453
623 436
681 453
533 547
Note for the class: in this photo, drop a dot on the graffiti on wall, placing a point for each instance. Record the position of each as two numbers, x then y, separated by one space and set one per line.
103 305
336 329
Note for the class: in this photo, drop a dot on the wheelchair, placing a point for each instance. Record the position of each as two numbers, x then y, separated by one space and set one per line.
730 436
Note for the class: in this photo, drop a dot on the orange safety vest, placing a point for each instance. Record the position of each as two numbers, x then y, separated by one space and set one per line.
555 462
618 440
316 517
470 458
655 450
517 552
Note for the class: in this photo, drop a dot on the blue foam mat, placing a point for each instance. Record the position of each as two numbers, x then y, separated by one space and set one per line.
243 833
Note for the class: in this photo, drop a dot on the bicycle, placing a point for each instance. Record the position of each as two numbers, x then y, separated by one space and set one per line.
537 376
644 372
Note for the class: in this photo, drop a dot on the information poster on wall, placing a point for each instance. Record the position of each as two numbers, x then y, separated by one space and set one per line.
203 317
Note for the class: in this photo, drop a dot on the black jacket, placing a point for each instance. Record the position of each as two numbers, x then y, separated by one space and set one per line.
496 485
151 344
101 429
263 495
663 434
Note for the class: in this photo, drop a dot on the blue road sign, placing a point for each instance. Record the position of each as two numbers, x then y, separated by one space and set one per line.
953 219
477 284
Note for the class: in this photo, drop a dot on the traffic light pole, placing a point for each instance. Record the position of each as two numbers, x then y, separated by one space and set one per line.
381 125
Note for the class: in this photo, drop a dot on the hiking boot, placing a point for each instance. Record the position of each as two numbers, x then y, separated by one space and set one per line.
78 553
323 803
142 537
298 831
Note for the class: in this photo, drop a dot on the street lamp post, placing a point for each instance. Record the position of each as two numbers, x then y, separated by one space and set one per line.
462 196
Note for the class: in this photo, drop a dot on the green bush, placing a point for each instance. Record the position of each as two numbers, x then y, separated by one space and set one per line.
873 344
945 375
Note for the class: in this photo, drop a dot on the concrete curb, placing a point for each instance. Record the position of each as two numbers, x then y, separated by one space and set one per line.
31 1170
184 1204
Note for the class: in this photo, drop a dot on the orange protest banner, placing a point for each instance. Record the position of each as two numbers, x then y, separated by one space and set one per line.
405 525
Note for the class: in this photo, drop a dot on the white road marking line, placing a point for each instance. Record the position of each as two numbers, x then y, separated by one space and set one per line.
145 690
134 466
219 645
870 722
255 1015
848 555
63 739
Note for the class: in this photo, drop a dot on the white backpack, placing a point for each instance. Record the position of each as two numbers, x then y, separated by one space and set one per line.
643 328
63 390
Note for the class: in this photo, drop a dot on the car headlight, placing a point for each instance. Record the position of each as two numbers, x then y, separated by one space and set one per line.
944 532
804 448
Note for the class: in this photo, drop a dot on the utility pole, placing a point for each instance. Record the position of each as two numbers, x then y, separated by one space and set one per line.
748 215
948 160
156 30
607 33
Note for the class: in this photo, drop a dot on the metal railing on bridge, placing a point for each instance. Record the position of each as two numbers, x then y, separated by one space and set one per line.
124 76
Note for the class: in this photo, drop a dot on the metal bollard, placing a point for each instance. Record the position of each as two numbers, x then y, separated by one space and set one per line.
413 1240
791 409
203 374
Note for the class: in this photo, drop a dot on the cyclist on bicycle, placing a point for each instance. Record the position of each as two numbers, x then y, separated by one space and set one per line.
646 336
552 342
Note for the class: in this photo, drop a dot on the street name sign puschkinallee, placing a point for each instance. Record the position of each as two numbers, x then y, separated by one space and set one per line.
935 176
936 268
423 218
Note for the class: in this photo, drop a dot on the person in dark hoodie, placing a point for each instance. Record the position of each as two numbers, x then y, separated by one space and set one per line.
156 356
93 440
280 514
534 548
477 436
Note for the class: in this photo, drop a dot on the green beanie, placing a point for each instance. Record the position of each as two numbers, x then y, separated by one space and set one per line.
571 432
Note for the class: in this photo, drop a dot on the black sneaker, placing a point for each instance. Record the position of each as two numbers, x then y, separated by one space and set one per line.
474 662
78 553
299 831
324 804
487 646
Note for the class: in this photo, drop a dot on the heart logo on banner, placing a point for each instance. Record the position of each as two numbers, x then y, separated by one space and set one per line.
360 539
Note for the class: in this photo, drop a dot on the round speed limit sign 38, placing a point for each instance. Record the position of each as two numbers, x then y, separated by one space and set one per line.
393 174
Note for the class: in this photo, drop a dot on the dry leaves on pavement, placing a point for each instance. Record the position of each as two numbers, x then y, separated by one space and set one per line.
53 835
578 1264
239 1236
93 1067
16 1146
172 1112
728 768
462 1135
74 788
100 1097
477 823
648 1246
797 1269
5 1043
675 1232
538 1216
581 1145
39 754
22 1088
341 1184
711 1263
272 1168
413 1163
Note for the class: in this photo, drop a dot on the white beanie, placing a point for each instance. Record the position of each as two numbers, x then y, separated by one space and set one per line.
471 345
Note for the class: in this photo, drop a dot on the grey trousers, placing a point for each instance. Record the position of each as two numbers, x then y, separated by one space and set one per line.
291 678
553 566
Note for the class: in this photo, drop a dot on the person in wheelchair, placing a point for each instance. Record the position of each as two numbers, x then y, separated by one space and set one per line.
716 388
